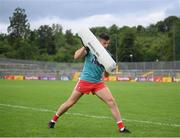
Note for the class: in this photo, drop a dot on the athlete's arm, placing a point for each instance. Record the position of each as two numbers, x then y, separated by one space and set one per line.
80 53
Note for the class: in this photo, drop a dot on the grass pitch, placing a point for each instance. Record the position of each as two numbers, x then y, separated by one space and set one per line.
148 109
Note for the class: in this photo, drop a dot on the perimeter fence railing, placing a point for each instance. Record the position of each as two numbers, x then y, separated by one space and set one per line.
124 69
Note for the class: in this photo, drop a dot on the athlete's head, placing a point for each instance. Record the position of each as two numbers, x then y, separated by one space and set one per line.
104 39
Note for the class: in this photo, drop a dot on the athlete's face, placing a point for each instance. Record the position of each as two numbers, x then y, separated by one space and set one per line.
104 43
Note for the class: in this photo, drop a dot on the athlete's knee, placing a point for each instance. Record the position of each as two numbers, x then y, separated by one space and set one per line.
111 102
69 103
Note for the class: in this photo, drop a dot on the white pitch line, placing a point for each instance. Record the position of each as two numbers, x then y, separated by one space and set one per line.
88 116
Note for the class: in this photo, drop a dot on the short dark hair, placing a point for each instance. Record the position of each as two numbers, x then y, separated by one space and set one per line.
104 36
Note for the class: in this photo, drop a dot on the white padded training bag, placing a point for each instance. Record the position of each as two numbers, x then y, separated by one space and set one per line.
103 57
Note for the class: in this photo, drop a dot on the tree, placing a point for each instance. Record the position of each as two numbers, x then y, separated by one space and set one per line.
170 21
114 41
176 41
127 47
46 40
140 29
57 28
19 26
157 41
69 37
25 51
161 26
152 30
97 30
4 45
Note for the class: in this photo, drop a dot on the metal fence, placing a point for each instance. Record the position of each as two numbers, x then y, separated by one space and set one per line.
34 68
130 69
173 65
149 69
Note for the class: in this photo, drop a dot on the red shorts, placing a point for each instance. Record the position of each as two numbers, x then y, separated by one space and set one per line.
86 87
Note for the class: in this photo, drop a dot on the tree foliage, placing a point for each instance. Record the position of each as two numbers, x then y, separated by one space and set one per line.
160 41
19 26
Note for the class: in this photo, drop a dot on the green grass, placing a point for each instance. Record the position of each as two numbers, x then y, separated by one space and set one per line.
148 109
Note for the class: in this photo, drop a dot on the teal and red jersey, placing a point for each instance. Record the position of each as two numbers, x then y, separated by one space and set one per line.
92 70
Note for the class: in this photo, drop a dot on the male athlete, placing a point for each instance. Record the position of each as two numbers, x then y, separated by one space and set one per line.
91 82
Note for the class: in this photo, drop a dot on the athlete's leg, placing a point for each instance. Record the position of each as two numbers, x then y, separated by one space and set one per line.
69 102
106 96
65 106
